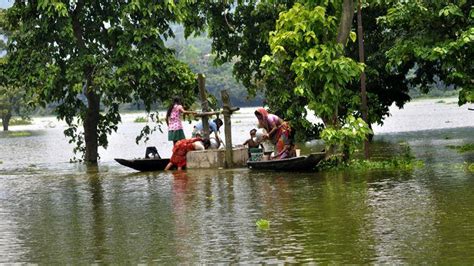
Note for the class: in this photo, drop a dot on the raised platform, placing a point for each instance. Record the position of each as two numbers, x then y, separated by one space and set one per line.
216 158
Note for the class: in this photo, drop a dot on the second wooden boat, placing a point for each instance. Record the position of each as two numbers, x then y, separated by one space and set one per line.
300 163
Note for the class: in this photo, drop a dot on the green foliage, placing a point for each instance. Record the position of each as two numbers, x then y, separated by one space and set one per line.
16 134
82 54
470 167
349 137
403 161
439 37
196 52
305 43
263 224
19 122
141 119
307 68
463 148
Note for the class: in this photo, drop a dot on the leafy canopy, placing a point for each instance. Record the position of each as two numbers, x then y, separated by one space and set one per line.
113 50
439 36
304 44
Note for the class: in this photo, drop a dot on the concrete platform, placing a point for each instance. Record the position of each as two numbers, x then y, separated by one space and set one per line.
215 158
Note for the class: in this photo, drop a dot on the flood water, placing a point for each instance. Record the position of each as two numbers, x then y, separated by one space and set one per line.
53 211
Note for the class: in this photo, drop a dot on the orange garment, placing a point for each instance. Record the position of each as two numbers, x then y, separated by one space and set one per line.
180 149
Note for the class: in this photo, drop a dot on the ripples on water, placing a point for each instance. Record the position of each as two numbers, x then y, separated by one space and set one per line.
52 211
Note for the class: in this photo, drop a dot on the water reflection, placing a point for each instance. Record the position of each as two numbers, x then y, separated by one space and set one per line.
98 217
53 212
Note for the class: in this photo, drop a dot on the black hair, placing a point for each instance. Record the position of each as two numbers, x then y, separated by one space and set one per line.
176 100
253 130
218 122
206 143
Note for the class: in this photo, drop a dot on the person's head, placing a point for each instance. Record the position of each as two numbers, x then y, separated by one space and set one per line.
253 132
260 113
218 122
206 143
176 100
197 134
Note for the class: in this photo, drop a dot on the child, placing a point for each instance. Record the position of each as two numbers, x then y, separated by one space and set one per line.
173 120
252 141
253 145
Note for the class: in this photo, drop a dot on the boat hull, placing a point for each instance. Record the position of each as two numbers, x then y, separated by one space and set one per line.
301 163
143 165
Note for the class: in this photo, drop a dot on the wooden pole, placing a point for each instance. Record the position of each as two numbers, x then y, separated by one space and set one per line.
204 105
363 91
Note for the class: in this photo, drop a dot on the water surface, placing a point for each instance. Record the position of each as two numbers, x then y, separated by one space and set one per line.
52 211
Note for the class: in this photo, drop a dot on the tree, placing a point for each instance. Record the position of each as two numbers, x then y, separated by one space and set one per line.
88 55
384 87
439 37
308 44
12 100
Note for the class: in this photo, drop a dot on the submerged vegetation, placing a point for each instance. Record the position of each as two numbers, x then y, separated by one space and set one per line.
470 167
18 134
402 161
463 148
141 119
20 122
262 224
394 163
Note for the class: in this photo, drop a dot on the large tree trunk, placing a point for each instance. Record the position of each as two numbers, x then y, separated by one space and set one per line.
345 24
344 30
6 120
91 122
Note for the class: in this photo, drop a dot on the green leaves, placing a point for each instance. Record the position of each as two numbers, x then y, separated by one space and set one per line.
350 136
61 49
441 42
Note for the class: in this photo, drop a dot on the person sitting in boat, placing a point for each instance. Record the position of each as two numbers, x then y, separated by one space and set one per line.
214 127
182 147
279 131
289 151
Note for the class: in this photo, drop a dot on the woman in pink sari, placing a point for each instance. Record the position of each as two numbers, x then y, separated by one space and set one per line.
278 130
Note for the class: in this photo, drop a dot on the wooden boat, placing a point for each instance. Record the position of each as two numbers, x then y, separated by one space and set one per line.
148 164
300 163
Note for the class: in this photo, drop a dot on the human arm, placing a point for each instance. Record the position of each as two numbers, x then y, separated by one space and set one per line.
218 138
184 111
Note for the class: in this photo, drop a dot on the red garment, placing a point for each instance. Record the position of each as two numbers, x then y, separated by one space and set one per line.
180 149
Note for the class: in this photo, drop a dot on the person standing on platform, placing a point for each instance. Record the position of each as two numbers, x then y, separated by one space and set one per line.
173 120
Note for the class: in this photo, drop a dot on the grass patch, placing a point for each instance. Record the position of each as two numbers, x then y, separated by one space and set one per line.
141 119
401 162
463 148
20 122
441 101
15 134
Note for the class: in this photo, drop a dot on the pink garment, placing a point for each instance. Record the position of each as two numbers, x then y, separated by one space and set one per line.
273 119
174 122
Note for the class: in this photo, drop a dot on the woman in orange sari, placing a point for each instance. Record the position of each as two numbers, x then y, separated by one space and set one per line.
182 147
278 130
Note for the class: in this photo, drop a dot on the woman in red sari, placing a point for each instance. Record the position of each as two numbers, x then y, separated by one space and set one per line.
278 130
182 147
